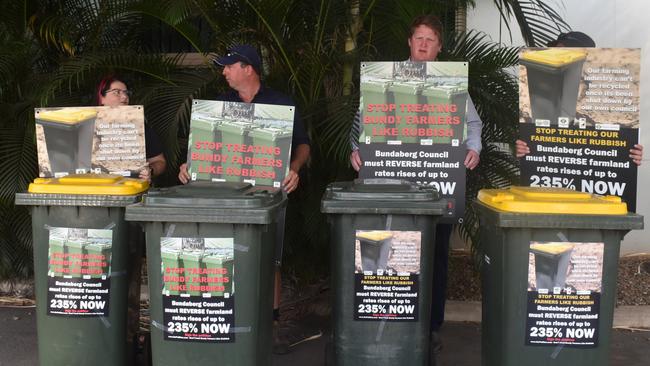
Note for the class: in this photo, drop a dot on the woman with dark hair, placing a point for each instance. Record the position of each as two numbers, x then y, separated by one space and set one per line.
113 91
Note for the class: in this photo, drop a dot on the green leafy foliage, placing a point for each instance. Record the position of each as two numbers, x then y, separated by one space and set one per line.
52 53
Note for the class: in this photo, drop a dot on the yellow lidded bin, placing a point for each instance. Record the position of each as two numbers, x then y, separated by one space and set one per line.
67 116
83 261
549 256
68 134
555 57
553 80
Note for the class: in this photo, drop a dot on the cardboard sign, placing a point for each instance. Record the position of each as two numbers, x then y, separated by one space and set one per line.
579 115
413 118
90 139
240 142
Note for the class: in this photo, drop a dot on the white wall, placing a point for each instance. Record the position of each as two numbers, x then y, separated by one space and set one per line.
611 23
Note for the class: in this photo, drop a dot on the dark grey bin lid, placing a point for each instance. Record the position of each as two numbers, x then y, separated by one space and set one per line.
211 202
382 196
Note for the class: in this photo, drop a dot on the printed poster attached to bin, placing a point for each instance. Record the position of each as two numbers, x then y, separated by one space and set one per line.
74 140
198 289
564 287
79 271
579 115
386 277
240 142
413 126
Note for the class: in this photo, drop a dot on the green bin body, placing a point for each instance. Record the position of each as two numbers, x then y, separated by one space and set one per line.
77 247
239 211
171 259
447 95
383 206
204 129
82 340
99 249
553 82
275 137
506 235
234 132
375 91
57 248
215 260
191 259
407 93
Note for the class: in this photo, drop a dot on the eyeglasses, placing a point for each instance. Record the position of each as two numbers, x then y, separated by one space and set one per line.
119 92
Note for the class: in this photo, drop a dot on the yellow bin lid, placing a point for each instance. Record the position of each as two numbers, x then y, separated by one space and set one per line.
555 57
551 201
89 184
68 116
375 235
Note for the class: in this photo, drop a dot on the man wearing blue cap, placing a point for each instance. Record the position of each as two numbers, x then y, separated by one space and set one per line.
242 68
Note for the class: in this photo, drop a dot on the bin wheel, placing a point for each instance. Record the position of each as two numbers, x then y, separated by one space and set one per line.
144 349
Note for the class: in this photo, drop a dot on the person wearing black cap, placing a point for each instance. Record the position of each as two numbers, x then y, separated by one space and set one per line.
242 68
576 39
572 39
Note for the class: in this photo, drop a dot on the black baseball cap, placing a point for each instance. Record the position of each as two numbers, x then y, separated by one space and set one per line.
573 39
241 53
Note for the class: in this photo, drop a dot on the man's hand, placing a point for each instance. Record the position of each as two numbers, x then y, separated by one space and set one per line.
290 182
145 174
636 154
472 159
355 160
183 175
521 148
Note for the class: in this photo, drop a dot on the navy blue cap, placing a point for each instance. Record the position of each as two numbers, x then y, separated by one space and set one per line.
241 53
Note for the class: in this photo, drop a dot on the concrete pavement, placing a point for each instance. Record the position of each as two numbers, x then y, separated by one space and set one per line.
462 343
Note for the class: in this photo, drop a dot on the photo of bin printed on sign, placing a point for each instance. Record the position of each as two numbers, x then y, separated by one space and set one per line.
413 118
79 271
240 142
387 268
198 281
413 102
564 287
90 139
579 115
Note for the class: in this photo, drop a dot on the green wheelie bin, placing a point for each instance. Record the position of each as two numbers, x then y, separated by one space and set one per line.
234 133
205 131
376 91
451 108
81 289
407 93
553 82
381 309
222 312
69 136
550 262
272 137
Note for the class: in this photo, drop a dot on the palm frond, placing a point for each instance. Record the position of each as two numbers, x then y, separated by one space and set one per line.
538 22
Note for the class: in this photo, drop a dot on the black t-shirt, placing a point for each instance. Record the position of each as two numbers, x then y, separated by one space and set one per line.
152 142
